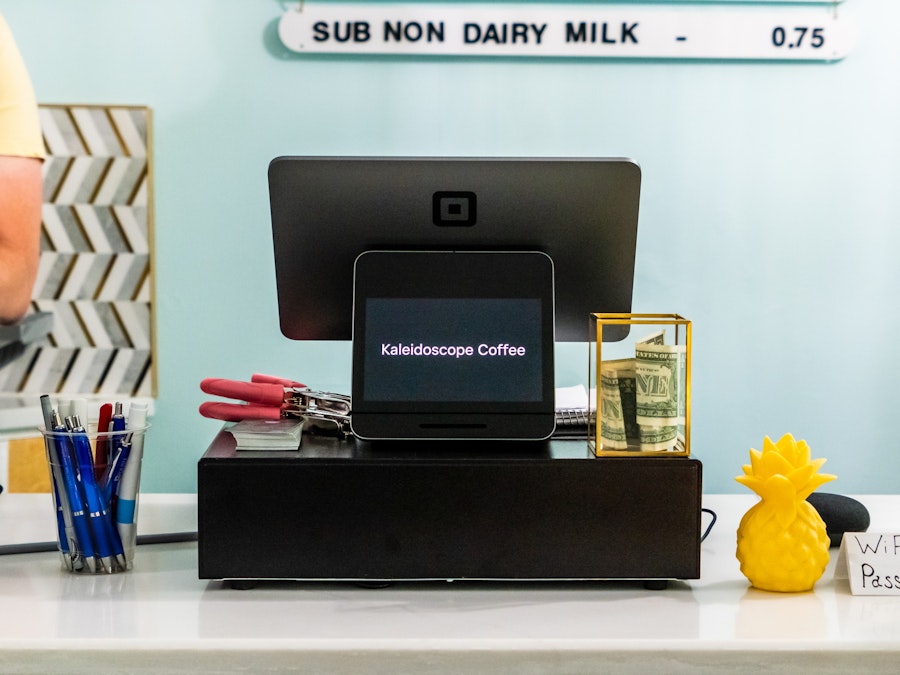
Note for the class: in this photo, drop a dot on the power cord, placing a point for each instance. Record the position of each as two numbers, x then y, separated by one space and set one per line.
142 539
711 523
179 537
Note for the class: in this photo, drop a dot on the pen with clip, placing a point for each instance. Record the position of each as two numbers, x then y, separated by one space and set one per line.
101 452
127 489
83 545
121 447
67 542
106 539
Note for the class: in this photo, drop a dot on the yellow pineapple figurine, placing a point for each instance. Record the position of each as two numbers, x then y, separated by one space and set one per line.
782 544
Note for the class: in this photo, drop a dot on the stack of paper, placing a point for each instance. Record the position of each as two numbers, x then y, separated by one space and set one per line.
265 435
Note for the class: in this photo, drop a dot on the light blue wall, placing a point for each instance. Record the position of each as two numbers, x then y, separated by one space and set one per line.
770 213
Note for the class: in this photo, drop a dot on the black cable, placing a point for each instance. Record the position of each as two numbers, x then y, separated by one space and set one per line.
711 523
142 539
178 537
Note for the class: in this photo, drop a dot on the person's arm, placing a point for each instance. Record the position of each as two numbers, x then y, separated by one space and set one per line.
20 231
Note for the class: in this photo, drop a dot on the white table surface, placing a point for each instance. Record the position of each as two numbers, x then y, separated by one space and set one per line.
161 618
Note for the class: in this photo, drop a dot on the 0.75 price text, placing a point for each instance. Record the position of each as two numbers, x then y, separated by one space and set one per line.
798 36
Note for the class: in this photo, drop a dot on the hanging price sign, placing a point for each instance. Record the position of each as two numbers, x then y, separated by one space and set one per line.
792 32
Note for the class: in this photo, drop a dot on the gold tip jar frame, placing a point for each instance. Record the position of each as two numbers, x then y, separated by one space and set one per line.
642 383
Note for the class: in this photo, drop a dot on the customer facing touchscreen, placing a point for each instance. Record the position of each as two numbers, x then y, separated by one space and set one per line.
453 345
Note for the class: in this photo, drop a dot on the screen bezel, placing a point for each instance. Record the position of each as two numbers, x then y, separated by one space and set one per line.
453 275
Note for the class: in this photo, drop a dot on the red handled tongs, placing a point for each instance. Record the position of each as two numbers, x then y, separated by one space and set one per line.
271 398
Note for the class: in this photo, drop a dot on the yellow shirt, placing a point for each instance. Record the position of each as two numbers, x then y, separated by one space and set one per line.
20 128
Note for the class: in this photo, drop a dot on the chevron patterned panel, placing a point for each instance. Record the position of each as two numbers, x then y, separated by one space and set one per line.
94 272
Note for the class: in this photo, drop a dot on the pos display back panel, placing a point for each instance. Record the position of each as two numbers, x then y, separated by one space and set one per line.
582 212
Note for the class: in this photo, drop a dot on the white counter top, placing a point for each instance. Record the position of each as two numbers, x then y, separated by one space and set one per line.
161 617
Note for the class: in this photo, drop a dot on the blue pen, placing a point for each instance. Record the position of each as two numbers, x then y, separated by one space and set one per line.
108 544
83 545
65 546
63 513
122 445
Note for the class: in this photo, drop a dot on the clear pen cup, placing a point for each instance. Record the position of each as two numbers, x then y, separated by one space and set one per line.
95 483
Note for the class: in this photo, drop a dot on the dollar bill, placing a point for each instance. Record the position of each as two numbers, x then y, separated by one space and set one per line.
658 371
628 394
612 422
642 398
625 375
658 437
656 338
